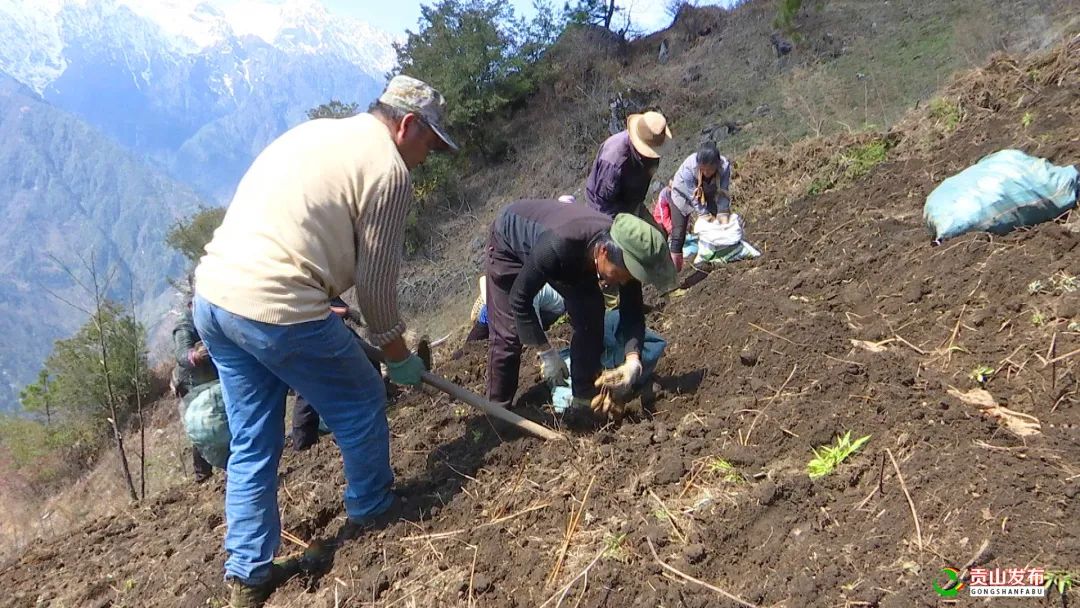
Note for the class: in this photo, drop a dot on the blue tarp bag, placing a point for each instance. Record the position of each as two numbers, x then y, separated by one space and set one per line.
1003 191
651 351
206 424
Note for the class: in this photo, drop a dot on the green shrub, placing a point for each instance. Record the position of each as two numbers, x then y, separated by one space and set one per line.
861 159
946 113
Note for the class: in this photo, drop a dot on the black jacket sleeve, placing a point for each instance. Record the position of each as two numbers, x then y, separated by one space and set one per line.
541 263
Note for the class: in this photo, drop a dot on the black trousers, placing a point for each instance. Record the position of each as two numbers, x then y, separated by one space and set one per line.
203 469
305 425
585 305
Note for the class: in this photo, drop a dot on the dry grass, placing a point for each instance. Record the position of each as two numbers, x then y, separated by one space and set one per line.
28 515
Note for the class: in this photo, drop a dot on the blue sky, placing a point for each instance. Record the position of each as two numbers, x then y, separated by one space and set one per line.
395 16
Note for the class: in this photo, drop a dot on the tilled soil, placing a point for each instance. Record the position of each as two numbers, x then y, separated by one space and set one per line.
761 368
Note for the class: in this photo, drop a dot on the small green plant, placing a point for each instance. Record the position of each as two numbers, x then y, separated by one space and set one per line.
1060 580
461 412
861 159
614 547
1035 287
828 457
853 163
563 320
725 470
946 113
477 435
1038 319
981 374
129 584
819 185
1073 326
1027 119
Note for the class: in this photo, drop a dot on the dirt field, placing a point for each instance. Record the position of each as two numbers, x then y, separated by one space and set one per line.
761 368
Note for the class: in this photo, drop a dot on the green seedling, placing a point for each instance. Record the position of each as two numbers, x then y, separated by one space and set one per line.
828 457
477 435
948 114
1060 580
460 412
1074 326
981 374
1027 119
725 470
1035 287
1038 319
615 548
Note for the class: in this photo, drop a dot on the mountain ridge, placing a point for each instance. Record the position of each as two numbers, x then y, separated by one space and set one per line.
68 192
196 87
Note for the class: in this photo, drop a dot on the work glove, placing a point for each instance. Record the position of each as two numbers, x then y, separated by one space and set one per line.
677 259
407 372
553 368
622 378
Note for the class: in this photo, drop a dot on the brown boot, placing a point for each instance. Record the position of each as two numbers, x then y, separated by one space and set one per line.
242 595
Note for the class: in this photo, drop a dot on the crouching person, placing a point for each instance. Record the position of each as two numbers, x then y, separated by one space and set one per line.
548 303
575 249
320 210
700 186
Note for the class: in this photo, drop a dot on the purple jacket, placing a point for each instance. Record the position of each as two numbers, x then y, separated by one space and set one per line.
620 177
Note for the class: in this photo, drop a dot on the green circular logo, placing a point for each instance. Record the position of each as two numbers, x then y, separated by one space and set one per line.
952 587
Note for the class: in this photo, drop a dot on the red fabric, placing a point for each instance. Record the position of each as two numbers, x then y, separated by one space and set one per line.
662 211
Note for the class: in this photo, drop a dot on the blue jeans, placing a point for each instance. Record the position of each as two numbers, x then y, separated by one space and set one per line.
257 363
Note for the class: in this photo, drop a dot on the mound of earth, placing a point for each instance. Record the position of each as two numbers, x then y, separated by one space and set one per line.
850 321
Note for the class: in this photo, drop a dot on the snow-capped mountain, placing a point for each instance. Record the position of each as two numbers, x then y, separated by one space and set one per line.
199 87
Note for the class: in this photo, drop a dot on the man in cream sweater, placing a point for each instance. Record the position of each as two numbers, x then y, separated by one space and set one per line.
320 210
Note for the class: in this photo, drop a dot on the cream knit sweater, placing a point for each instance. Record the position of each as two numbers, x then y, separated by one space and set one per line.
322 208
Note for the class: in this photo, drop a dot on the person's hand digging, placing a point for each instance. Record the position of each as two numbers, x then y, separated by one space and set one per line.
622 378
407 372
553 368
199 354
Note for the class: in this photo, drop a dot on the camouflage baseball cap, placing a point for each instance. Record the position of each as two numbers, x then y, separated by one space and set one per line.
416 96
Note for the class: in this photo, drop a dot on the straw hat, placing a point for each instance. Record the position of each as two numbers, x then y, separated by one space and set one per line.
480 302
648 132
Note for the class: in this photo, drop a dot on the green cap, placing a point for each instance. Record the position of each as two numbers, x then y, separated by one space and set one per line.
416 96
645 251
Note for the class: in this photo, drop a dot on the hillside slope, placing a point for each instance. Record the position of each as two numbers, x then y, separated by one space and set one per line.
761 368
857 66
67 191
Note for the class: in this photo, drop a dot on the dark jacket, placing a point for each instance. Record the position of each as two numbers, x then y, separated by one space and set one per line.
553 242
619 179
188 374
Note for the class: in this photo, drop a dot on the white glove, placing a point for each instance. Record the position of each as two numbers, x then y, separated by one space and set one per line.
621 378
553 368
